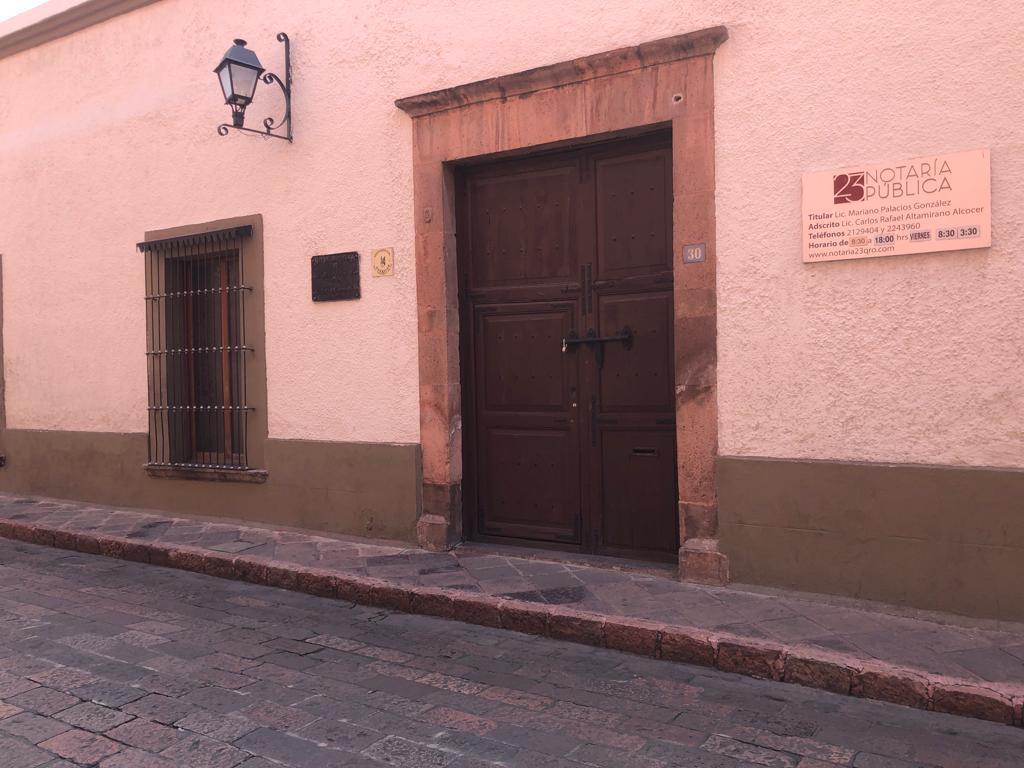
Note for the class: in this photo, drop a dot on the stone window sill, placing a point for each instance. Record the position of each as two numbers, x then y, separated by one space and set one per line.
217 475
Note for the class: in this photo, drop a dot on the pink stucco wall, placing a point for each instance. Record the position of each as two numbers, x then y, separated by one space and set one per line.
110 132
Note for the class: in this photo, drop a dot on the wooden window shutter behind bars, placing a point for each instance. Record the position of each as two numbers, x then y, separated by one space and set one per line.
196 350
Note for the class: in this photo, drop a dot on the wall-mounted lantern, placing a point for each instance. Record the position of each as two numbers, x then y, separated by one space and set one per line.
239 72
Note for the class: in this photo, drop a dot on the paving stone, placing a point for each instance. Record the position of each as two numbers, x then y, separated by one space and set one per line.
290 660
218 699
12 686
811 748
555 744
723 745
145 734
109 693
592 754
867 760
19 754
227 662
93 717
289 749
63 678
339 735
81 746
394 750
217 726
271 715
164 685
32 727
163 709
201 752
183 650
134 758
292 646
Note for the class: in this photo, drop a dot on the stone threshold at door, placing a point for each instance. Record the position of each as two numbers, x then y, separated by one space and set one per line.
928 661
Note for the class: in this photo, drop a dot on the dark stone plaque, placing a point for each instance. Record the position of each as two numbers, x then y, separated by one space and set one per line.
336 276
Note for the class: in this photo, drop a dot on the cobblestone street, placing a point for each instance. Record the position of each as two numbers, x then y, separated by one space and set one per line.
111 663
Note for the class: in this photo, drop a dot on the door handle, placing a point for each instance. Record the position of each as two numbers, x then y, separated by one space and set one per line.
625 336
597 343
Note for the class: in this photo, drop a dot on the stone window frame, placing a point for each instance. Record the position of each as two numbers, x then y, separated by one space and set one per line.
667 82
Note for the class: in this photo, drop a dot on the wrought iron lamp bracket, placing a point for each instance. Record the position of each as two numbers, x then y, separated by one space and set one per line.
286 88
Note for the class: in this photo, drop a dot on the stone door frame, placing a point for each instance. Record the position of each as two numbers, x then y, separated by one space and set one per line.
667 82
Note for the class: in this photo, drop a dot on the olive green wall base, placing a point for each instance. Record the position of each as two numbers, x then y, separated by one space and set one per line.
939 538
363 489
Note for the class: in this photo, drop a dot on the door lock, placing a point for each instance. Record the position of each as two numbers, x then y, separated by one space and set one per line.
597 343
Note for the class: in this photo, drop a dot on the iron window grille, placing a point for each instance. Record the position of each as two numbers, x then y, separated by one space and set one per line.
196 350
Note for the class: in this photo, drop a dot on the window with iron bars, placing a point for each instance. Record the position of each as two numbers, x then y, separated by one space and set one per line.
196 350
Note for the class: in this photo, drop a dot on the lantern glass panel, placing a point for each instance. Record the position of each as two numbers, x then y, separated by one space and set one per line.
243 82
225 82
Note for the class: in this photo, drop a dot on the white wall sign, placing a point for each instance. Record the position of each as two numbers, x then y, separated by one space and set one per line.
937 203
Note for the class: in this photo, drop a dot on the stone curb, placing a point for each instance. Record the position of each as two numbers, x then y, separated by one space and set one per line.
812 667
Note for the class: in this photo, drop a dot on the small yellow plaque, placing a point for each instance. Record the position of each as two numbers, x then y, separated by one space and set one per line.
382 262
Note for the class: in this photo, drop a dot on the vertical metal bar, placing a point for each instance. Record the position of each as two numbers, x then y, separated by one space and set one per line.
209 271
172 278
184 361
212 273
207 370
150 370
173 267
225 370
157 257
163 338
181 358
244 402
161 383
231 372
200 356
188 361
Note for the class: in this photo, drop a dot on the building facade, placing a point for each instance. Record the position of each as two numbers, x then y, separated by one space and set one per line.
581 319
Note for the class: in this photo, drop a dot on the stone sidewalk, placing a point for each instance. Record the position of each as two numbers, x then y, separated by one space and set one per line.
930 661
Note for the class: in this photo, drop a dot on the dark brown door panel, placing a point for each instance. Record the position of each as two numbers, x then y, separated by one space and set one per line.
638 379
530 485
566 287
522 227
634 214
639 478
519 357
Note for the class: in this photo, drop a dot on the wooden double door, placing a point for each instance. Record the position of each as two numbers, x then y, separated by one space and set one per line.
565 268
